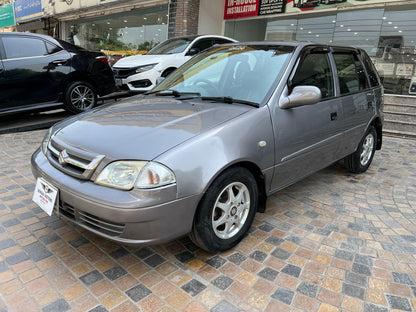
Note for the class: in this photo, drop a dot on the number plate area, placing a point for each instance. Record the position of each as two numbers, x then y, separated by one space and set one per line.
45 195
119 82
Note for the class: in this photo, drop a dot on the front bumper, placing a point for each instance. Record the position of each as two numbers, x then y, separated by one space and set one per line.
139 82
128 217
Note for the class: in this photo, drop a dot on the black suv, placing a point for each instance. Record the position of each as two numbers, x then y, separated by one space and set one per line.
40 72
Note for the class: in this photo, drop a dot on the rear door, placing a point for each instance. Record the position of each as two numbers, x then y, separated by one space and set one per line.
357 98
33 69
308 137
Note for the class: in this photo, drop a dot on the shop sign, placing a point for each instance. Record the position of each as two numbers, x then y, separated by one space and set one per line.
249 8
26 10
6 15
385 69
404 70
268 7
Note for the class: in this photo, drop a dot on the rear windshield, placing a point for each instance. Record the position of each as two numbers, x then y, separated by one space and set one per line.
69 46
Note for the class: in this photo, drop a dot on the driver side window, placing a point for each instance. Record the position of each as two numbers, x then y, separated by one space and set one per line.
315 70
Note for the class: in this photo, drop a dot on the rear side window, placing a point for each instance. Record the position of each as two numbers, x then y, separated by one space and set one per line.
372 74
351 74
315 70
221 41
203 44
52 48
16 47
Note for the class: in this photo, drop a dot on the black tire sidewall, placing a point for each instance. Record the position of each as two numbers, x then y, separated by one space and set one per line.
67 97
202 232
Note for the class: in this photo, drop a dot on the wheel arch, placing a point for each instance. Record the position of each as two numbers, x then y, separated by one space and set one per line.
377 124
258 176
167 71
76 76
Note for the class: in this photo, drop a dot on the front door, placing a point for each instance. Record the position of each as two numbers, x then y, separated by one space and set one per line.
307 138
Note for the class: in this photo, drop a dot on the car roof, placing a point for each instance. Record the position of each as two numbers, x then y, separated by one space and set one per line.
300 44
193 37
25 34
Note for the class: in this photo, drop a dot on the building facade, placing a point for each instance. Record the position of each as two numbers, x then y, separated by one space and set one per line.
386 30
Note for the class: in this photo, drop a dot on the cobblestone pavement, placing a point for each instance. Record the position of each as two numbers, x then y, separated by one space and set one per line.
332 242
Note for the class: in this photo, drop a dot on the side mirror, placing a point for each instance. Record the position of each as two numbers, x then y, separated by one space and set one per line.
300 96
193 51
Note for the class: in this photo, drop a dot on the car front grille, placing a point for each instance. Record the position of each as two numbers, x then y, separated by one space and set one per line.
144 83
124 72
93 222
75 162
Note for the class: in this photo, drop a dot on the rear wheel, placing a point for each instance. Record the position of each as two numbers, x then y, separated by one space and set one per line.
80 96
226 211
360 160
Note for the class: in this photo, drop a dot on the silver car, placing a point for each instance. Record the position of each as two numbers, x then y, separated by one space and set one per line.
201 152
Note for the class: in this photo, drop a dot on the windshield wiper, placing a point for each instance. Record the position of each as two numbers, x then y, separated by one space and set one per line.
229 100
174 93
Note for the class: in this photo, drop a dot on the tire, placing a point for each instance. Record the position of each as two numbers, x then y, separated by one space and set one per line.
80 96
360 160
221 222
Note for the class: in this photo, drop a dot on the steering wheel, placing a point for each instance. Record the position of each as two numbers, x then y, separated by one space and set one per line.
207 85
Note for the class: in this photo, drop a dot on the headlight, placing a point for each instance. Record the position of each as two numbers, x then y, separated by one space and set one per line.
46 140
144 68
125 175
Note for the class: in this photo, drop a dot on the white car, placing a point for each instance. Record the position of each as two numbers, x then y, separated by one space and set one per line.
139 73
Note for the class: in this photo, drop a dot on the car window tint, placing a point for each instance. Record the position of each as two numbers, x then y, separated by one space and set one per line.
372 74
351 74
52 48
221 41
23 47
202 44
315 70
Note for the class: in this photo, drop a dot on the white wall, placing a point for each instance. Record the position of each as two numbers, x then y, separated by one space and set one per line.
211 17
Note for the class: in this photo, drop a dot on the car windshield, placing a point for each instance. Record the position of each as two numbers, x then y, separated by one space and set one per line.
234 73
171 46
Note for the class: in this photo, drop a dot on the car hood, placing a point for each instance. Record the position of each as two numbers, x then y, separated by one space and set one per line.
144 127
137 60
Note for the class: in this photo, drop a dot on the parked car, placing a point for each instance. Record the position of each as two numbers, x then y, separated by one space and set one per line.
331 1
40 72
138 73
306 3
202 151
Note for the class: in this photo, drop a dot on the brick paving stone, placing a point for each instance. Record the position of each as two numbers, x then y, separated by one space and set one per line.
58 305
225 306
333 242
178 299
222 282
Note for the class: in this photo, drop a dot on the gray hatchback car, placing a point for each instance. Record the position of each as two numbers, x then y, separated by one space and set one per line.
201 152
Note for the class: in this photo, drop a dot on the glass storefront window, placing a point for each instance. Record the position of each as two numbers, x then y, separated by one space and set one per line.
395 57
120 34
386 33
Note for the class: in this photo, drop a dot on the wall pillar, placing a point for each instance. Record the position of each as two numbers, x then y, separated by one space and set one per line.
183 18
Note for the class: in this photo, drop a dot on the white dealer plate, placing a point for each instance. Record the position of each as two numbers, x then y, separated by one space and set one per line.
45 195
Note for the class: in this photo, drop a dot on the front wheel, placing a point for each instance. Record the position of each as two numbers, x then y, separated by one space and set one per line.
226 211
360 160
80 96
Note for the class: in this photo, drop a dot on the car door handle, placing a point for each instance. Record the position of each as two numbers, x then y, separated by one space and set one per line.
334 116
58 62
